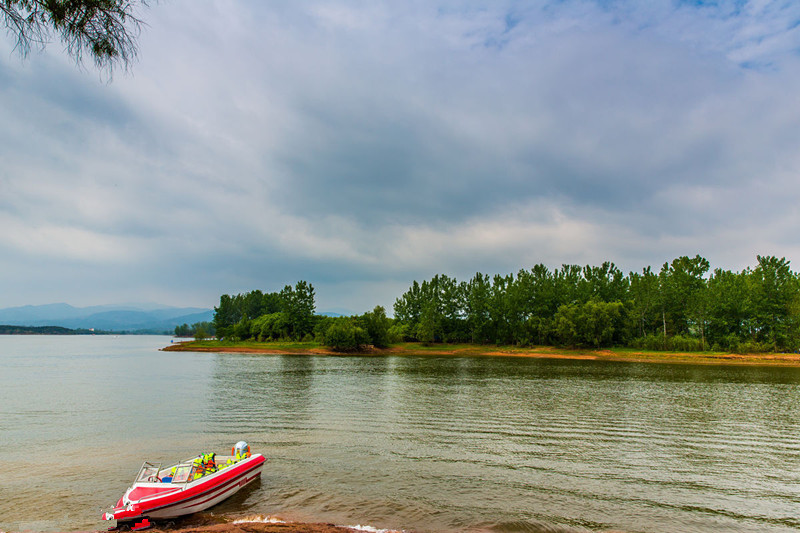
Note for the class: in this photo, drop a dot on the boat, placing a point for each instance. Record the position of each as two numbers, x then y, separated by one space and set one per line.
187 487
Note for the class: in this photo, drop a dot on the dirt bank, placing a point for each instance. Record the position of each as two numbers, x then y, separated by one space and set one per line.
468 350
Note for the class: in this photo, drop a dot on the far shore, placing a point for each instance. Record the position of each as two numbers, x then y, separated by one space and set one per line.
471 350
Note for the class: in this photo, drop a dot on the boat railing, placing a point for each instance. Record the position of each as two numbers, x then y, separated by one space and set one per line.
182 472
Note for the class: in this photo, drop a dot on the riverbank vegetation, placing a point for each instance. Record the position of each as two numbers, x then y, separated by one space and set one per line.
684 307
198 330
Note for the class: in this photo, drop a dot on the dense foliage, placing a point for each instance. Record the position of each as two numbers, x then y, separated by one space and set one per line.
681 307
354 332
198 330
288 314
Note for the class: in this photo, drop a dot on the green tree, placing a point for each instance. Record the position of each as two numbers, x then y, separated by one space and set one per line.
500 309
106 30
252 304
541 302
241 330
565 324
729 303
226 315
592 324
428 328
476 308
376 324
644 295
605 283
200 333
567 280
683 286
408 308
399 333
774 293
299 306
345 336
451 306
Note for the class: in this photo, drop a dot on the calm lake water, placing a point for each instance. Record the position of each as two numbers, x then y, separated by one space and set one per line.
423 444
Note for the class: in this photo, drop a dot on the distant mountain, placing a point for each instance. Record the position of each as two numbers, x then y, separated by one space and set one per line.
336 311
153 319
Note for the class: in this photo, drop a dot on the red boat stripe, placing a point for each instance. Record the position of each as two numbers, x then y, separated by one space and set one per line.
182 502
219 486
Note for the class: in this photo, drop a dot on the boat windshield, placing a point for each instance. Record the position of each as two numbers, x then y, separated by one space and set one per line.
148 473
182 473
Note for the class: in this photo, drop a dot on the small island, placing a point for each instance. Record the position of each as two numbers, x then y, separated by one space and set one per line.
681 313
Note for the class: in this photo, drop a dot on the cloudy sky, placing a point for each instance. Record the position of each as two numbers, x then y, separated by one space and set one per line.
362 145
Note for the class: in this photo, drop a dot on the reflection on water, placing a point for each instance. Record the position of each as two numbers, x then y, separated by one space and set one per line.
429 444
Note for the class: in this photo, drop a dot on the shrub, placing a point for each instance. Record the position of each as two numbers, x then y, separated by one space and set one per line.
344 336
377 326
241 330
751 346
594 324
677 343
400 333
274 326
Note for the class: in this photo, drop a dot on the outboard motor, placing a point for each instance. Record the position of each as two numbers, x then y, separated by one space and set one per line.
240 450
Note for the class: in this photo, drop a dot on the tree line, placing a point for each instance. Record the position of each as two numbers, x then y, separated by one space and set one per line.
289 315
682 307
198 330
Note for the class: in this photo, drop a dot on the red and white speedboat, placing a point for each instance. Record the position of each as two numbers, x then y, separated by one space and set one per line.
182 489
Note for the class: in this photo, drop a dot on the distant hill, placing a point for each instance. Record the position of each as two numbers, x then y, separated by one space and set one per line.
128 318
43 330
336 311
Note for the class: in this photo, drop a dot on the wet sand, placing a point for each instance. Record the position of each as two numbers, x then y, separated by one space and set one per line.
210 523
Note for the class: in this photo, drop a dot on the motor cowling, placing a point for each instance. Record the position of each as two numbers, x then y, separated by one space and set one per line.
240 450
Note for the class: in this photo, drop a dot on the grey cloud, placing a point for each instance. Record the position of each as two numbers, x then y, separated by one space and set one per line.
360 146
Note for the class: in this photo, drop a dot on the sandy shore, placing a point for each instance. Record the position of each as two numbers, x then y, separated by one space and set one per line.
463 350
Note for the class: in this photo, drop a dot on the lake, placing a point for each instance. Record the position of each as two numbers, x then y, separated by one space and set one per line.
435 444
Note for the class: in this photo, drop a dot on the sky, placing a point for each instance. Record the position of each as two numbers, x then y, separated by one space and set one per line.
364 145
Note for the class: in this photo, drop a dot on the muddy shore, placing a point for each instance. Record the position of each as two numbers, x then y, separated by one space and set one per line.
209 523
542 352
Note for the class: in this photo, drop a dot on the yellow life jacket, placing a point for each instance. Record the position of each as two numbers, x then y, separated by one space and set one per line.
199 467
209 460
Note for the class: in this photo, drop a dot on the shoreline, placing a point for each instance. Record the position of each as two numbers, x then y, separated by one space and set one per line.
624 355
204 522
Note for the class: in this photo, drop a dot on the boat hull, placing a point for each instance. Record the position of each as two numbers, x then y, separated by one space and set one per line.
163 500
